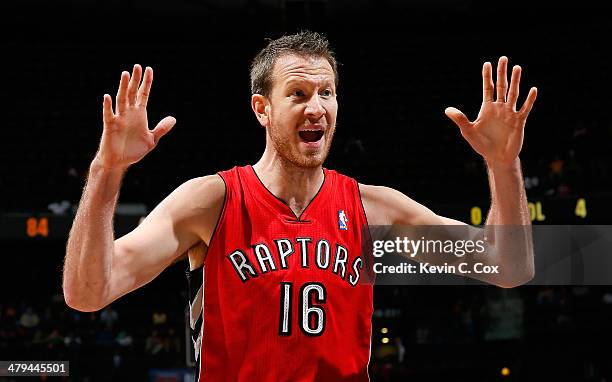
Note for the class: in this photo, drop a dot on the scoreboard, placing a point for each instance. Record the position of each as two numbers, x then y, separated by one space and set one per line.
594 209
577 210
50 226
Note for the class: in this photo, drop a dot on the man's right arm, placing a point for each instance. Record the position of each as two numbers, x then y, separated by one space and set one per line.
98 269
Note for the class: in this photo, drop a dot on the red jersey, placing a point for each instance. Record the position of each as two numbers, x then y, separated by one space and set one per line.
283 295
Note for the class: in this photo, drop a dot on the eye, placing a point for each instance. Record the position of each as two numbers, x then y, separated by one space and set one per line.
326 93
298 93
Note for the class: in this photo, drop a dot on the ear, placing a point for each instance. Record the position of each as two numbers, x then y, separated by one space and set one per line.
261 108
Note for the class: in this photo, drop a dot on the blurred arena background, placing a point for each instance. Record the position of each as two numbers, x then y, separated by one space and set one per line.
402 63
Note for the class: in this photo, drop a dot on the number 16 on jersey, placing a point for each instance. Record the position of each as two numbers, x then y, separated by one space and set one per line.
311 315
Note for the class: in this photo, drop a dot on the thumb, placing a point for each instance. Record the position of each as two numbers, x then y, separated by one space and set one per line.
458 117
162 128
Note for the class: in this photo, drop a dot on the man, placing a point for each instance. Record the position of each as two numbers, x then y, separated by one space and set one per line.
281 239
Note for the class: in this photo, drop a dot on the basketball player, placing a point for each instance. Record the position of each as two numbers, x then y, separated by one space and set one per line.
281 240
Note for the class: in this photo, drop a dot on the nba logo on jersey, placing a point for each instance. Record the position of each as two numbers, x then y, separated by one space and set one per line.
342 220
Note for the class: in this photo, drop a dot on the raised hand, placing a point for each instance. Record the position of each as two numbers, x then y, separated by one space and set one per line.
497 133
126 137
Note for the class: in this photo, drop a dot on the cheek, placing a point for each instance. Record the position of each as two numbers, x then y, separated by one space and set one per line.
282 123
331 118
332 110
289 113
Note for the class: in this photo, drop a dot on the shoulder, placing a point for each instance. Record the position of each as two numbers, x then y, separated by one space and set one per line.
380 194
385 206
194 199
376 202
205 189
198 203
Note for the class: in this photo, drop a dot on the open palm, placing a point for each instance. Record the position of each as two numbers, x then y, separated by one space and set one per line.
126 137
497 133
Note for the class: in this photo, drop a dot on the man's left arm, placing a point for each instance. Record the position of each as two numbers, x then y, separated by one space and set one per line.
497 135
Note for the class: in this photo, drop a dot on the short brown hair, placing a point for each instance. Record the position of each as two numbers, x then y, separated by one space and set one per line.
304 44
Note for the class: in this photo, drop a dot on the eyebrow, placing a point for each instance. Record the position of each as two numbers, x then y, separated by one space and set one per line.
307 82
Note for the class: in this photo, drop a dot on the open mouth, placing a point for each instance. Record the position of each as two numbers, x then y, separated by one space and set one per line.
311 136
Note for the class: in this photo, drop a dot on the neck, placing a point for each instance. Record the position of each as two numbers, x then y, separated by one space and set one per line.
294 185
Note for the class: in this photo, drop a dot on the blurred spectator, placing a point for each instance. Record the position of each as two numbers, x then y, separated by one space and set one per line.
154 344
556 167
159 318
124 339
72 340
422 335
29 319
60 208
109 317
401 349
174 342
546 295
54 340
10 313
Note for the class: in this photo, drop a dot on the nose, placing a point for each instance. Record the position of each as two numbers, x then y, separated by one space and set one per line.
314 108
